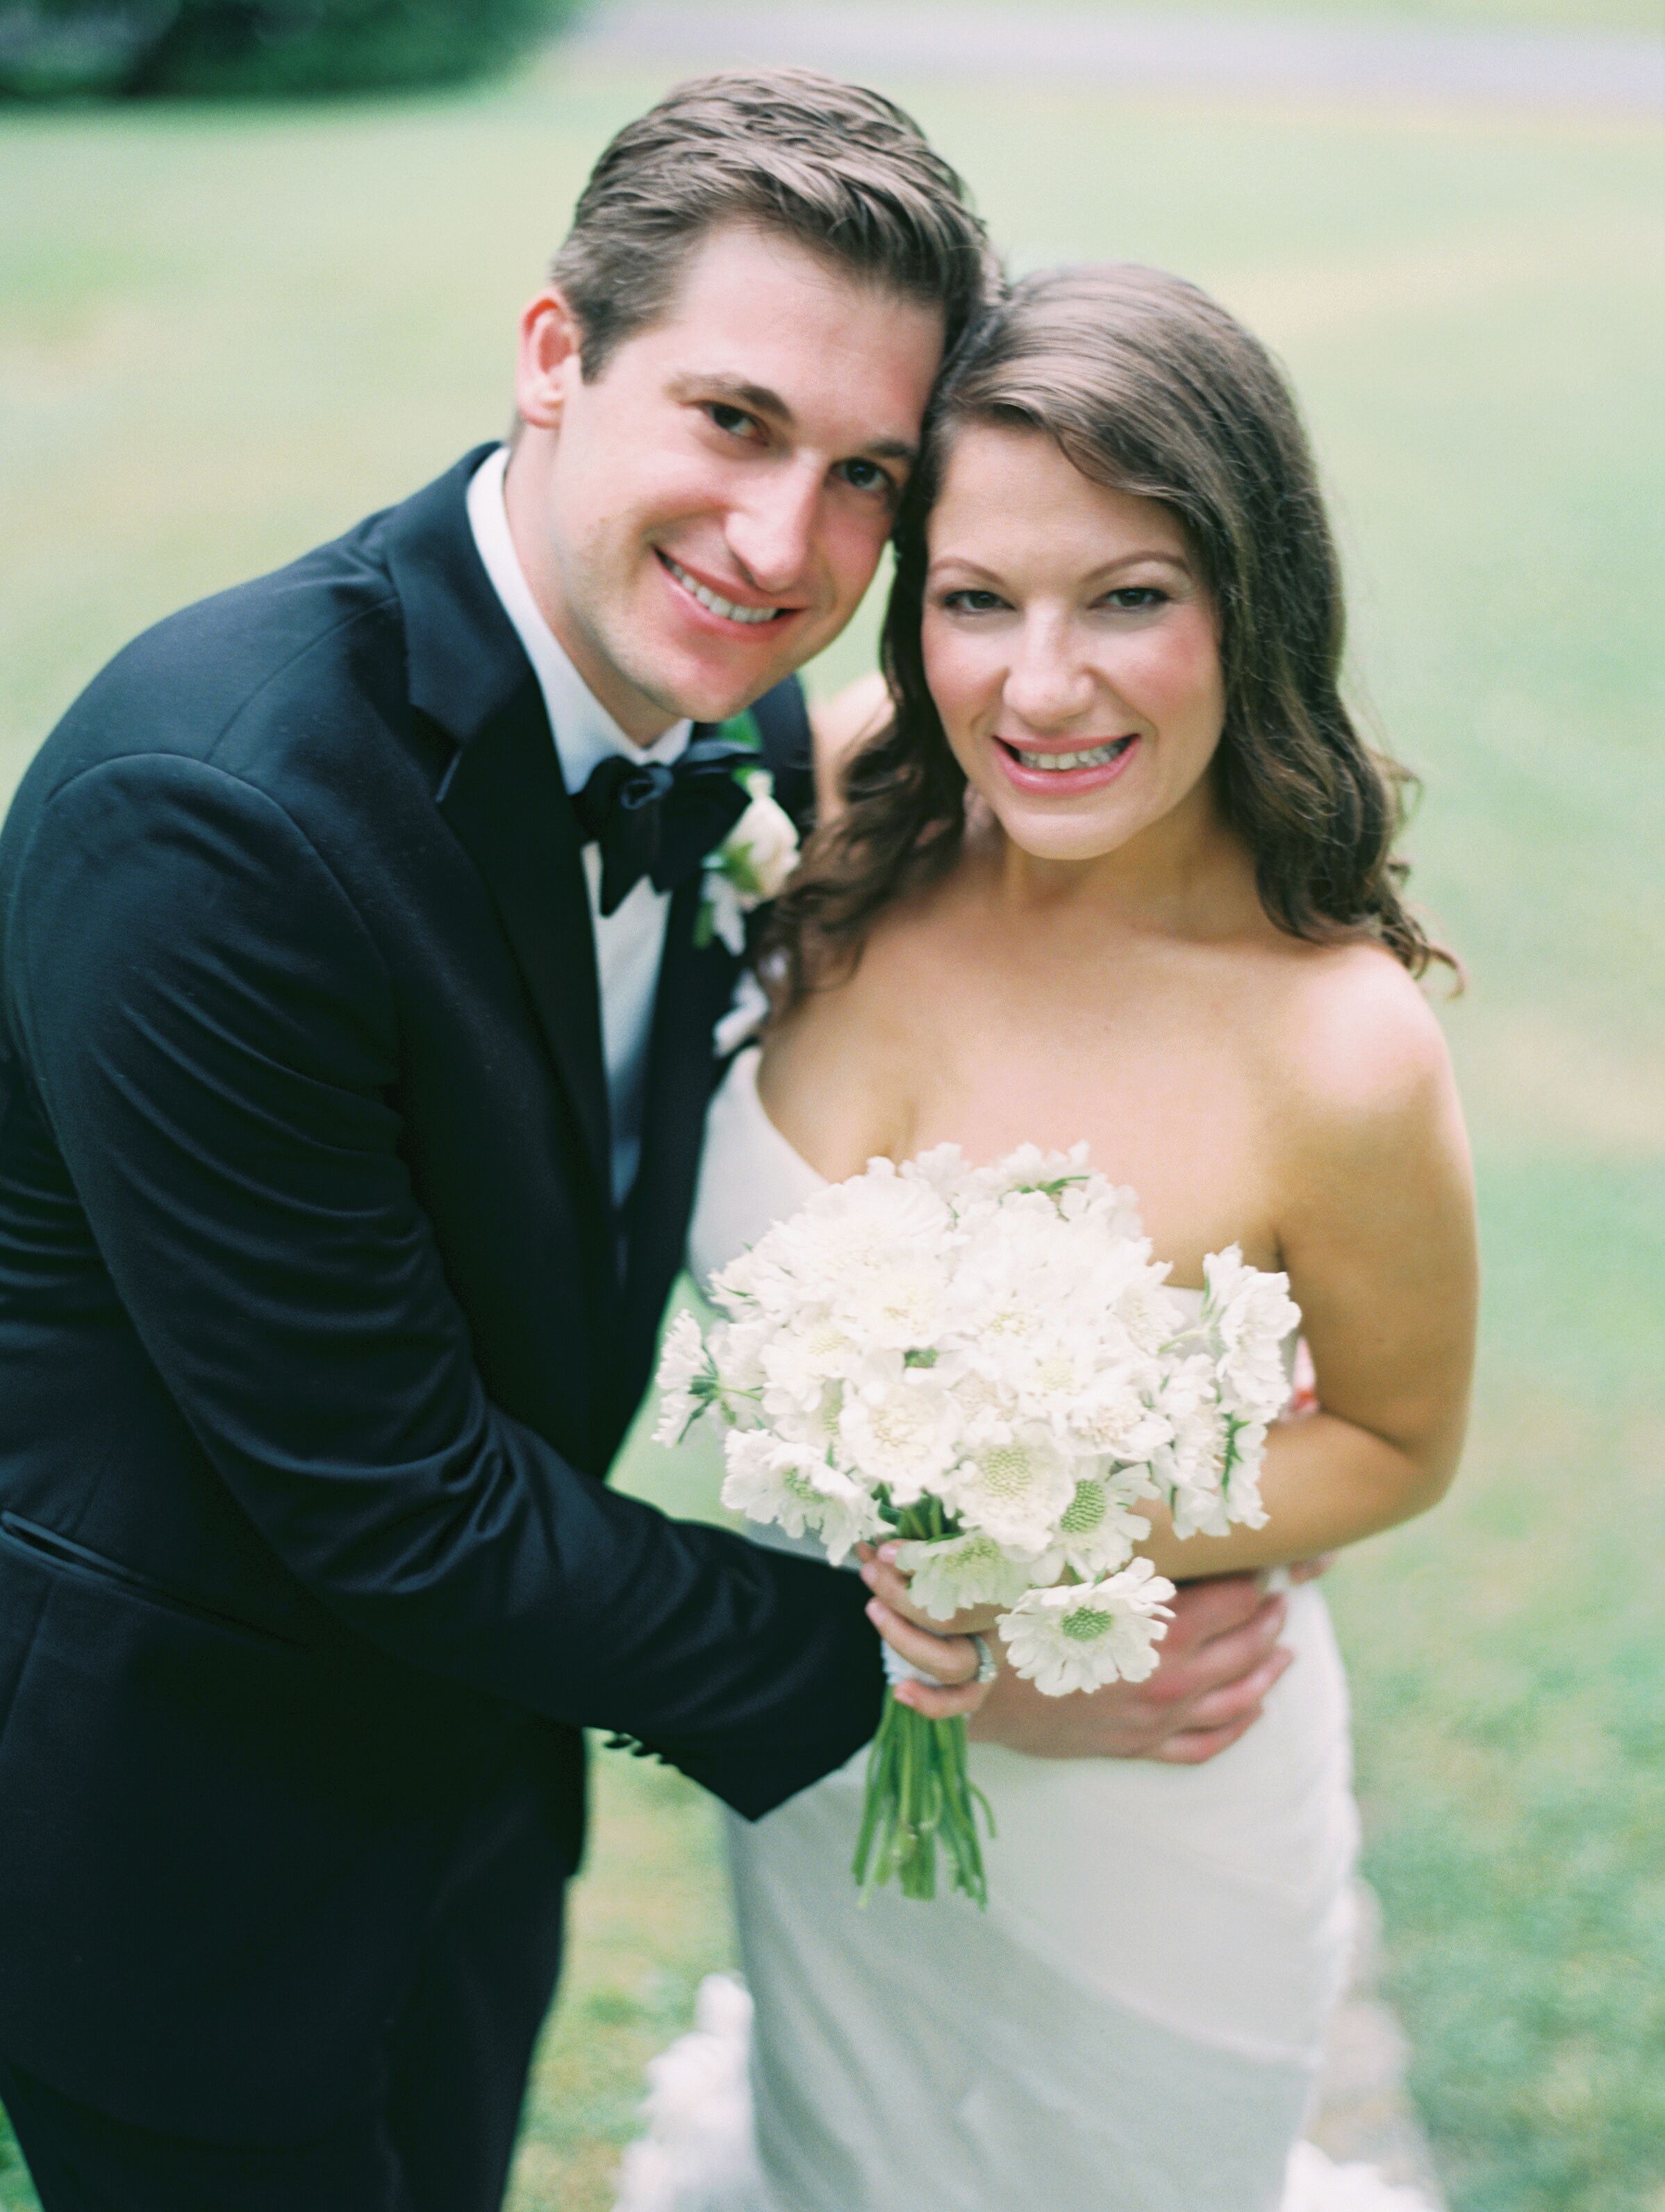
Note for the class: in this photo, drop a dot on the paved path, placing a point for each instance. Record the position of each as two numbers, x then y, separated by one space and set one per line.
1148 51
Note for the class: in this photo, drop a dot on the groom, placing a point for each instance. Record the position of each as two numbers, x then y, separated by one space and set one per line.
356 1036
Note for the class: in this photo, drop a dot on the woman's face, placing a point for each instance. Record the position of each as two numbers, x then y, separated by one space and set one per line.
1069 647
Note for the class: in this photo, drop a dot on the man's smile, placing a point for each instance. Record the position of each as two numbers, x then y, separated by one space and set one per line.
714 603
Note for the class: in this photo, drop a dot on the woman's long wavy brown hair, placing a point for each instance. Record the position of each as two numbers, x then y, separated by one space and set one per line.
1148 386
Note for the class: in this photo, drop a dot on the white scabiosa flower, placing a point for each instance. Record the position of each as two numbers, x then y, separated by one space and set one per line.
737 1353
873 1253
900 1428
735 1287
798 1363
943 1169
773 1479
687 1379
1015 1490
957 1572
1116 1415
1029 1168
1096 1531
1250 1313
1190 1469
1245 1455
1078 1636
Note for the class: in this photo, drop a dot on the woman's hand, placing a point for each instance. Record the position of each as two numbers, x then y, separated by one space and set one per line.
889 1585
943 1649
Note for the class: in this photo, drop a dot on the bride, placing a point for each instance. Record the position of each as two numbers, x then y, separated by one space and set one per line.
1107 861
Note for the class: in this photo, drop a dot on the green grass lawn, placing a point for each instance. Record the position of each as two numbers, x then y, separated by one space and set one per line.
225 335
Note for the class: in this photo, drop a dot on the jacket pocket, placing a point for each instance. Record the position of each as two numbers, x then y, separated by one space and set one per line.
47 1548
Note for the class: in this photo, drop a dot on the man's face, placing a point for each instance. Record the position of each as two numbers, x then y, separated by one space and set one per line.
704 517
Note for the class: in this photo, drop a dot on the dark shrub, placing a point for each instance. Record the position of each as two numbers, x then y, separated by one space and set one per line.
217 48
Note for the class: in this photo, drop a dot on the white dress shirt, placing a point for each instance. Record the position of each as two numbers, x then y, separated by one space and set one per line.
630 941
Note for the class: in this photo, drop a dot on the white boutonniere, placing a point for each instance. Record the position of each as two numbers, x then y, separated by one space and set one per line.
749 866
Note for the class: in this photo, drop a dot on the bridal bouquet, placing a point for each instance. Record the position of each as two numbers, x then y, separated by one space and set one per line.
986 1363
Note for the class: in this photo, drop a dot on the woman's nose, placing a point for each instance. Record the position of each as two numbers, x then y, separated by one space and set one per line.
1048 685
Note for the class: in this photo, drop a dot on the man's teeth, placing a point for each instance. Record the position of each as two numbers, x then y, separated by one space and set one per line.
1100 756
718 604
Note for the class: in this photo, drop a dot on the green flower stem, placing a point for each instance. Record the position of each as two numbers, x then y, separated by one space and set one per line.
919 1792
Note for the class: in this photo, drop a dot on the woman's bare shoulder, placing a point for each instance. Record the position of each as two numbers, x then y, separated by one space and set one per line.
1353 1046
841 725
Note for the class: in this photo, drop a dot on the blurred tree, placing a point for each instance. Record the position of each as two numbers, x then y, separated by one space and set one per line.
51 48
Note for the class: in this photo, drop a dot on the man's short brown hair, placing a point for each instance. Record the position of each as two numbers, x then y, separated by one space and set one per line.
836 168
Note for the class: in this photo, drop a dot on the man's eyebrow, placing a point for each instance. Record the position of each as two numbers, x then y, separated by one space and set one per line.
758 399
718 384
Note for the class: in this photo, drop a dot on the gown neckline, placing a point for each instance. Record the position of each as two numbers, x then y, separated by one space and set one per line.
744 1071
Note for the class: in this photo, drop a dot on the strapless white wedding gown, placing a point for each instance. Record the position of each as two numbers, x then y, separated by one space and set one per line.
1133 2026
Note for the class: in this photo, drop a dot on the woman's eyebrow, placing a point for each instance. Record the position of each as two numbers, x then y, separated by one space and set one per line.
1144 554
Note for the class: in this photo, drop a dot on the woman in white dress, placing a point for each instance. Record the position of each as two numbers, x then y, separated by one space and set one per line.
1112 864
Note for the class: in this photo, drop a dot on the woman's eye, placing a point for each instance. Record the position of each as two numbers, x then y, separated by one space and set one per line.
1135 599
972 602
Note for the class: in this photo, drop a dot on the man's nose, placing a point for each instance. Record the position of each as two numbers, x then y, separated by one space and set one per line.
772 534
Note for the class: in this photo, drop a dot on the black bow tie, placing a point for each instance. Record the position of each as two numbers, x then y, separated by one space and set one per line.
654 820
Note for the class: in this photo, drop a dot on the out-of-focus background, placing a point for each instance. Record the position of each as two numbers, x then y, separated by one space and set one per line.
231 326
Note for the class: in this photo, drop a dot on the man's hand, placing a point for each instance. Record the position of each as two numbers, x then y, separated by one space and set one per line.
1217 1661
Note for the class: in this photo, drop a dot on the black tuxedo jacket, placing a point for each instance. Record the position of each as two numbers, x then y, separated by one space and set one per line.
314 1349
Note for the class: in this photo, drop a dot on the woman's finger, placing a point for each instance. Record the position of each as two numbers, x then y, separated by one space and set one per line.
941 1705
944 1658
890 1585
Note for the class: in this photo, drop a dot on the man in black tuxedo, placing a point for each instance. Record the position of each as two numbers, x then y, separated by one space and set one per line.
355 1043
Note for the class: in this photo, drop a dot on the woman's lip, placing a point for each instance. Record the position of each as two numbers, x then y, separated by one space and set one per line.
1062 782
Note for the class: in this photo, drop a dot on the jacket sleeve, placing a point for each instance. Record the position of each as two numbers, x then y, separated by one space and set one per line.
211 1029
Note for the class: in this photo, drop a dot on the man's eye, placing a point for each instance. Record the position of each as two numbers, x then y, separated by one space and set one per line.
733 420
865 475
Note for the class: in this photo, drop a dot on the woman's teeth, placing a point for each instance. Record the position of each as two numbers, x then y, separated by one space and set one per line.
718 604
1099 756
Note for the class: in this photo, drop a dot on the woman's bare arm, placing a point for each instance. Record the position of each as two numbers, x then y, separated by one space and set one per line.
1377 1223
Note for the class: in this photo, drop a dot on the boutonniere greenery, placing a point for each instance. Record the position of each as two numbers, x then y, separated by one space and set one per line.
753 864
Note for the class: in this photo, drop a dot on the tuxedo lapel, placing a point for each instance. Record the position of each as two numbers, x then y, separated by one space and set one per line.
505 800
503 793
695 985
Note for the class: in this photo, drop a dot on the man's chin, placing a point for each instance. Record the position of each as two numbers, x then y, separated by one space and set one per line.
705 694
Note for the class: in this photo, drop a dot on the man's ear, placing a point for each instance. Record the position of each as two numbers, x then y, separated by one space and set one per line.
548 359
